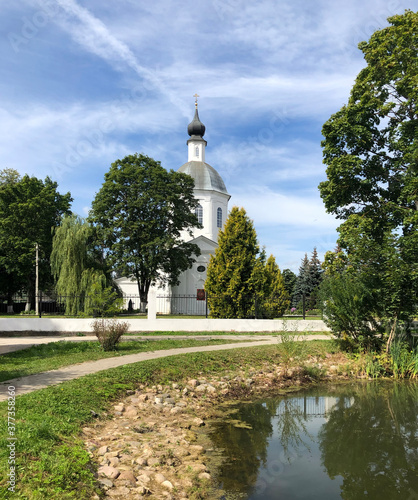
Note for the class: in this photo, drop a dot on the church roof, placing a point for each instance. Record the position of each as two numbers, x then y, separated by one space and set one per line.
196 127
205 177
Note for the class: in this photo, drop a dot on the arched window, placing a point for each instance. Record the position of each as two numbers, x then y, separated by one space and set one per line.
197 151
219 217
199 213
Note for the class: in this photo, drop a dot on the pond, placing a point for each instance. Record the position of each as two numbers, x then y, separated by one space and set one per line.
350 441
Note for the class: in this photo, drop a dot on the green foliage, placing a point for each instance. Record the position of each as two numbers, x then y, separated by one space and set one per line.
103 301
109 332
348 307
139 213
404 357
276 298
308 281
370 149
289 278
236 271
74 265
292 346
29 209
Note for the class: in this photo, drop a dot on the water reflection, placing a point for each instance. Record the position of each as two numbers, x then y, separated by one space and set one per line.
350 442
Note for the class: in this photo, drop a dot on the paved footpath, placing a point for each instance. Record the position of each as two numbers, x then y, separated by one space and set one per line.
37 381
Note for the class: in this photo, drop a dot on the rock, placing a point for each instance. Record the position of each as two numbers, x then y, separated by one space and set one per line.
210 389
198 422
114 461
106 482
141 490
121 491
201 388
170 401
127 475
197 449
333 369
160 478
196 466
192 383
175 385
141 461
204 475
120 407
102 450
144 478
167 484
109 471
143 397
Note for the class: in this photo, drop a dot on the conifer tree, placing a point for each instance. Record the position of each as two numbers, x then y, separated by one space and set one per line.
289 278
302 285
277 299
315 279
235 272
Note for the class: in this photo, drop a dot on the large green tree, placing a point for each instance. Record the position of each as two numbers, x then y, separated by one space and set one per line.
236 272
139 214
29 209
371 152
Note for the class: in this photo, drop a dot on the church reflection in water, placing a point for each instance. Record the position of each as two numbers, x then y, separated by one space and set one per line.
351 441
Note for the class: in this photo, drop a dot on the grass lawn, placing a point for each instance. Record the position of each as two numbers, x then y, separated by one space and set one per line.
51 459
43 357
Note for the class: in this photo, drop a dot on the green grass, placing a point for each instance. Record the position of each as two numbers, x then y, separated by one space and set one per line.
196 334
56 355
51 459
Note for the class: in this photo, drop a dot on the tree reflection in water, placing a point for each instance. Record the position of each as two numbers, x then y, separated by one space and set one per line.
364 435
373 444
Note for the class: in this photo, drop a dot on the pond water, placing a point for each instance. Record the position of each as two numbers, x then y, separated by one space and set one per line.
352 441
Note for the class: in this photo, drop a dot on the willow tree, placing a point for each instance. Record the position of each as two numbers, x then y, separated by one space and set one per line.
72 264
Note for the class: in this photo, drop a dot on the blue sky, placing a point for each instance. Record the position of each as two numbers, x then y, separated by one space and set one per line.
84 83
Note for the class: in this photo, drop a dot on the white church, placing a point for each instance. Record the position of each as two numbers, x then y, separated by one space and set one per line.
212 210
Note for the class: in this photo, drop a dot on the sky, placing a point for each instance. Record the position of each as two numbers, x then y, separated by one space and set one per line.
84 83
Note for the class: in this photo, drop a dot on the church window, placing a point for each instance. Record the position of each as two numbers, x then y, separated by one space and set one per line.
197 151
199 213
219 217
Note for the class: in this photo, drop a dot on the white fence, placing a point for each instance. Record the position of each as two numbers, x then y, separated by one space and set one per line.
162 324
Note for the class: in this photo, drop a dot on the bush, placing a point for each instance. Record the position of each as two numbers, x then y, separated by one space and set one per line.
348 309
109 332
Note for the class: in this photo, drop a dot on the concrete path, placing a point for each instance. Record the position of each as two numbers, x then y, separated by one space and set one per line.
11 344
37 381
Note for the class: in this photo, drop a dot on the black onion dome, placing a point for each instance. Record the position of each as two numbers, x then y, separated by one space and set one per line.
196 127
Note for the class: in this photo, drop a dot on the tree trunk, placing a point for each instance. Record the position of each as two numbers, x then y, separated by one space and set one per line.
392 333
143 295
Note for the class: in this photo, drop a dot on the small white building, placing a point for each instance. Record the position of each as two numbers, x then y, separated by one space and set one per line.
212 211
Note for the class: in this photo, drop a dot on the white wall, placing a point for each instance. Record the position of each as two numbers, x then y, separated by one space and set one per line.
162 324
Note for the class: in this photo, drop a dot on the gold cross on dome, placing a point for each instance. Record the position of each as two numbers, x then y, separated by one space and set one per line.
196 96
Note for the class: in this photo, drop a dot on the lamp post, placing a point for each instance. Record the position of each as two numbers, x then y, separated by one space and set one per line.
37 279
